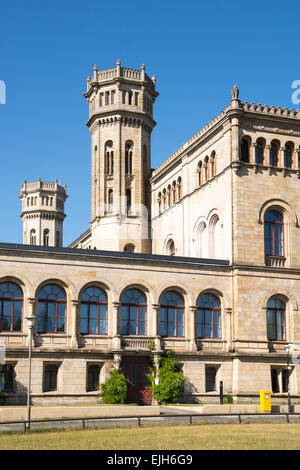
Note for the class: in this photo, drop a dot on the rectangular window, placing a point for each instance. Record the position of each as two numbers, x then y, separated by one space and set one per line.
93 378
50 377
274 381
210 379
7 379
285 380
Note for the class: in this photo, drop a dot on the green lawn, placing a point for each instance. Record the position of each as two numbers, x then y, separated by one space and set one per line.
180 437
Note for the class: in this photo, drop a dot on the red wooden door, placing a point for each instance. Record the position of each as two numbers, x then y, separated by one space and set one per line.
136 369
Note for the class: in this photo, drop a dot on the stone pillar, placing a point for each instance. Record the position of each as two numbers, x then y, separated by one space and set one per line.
156 327
31 311
74 323
281 157
115 326
252 154
192 335
229 329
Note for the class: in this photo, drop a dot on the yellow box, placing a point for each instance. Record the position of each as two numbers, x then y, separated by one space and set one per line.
265 400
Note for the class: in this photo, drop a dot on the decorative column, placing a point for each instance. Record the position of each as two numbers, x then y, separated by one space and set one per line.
115 326
229 329
74 323
156 327
281 157
192 338
31 311
252 154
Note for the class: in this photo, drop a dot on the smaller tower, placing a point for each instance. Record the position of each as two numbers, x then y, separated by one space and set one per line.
43 212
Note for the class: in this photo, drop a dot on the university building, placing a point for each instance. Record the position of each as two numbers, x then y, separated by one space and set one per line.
200 255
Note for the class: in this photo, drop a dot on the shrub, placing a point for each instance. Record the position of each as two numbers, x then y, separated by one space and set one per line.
114 390
170 380
228 399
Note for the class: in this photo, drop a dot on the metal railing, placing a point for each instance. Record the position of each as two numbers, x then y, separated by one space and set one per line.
240 418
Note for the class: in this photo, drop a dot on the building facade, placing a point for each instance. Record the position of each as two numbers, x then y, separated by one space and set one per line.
200 256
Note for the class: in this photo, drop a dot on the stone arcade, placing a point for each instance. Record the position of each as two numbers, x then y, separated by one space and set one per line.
201 255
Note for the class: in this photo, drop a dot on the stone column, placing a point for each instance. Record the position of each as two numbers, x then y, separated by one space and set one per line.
229 329
281 157
74 323
252 154
115 326
31 311
192 335
156 327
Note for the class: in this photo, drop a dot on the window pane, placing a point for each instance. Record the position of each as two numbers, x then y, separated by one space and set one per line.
132 327
103 327
83 325
60 324
124 327
93 326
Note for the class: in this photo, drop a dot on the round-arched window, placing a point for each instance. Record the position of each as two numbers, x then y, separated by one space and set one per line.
276 319
172 314
93 311
208 316
51 309
274 233
11 307
133 312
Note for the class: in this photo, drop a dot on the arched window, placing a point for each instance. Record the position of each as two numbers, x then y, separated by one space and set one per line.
159 202
11 307
169 195
170 248
274 230
128 157
213 164
200 175
128 201
110 200
32 237
174 191
133 312
129 248
179 186
288 153
209 316
164 199
274 153
46 237
172 314
259 151
245 151
109 158
206 169
93 311
51 309
275 319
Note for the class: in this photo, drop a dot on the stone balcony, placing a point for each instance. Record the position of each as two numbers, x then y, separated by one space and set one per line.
275 261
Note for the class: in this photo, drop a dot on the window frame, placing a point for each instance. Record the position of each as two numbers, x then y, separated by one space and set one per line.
176 322
57 302
212 324
208 376
12 316
137 321
89 303
273 238
46 375
275 310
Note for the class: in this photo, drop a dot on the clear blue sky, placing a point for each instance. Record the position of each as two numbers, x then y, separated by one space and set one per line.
197 50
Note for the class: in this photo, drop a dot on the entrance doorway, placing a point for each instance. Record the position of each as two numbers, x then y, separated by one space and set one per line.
136 370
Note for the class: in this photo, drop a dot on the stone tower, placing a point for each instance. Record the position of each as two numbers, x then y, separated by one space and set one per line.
43 213
121 121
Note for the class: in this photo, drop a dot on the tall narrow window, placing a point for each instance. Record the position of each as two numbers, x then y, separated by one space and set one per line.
275 319
134 311
174 192
179 187
164 199
93 311
128 201
259 151
245 151
274 230
159 202
288 152
93 378
8 371
11 307
32 237
128 158
172 314
274 153
109 158
46 235
110 200
274 380
210 379
52 305
213 164
169 196
209 316
170 248
50 378
206 169
199 171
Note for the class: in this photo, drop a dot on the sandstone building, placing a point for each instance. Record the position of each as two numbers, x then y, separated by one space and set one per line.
200 255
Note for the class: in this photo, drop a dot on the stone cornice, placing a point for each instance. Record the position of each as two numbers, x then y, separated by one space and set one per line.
132 119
